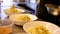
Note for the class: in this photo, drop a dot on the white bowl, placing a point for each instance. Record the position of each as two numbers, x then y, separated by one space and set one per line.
32 18
9 13
52 28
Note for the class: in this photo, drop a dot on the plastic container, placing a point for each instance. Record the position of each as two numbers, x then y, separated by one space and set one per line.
6 26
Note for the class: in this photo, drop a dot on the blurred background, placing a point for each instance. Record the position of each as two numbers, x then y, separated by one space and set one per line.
28 5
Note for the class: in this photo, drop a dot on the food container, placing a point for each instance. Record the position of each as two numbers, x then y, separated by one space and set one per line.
8 12
6 26
53 9
52 28
23 17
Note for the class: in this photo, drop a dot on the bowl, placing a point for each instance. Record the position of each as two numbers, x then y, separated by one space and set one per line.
8 12
52 28
6 26
53 9
25 19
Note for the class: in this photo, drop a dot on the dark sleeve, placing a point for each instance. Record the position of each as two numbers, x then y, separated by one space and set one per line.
41 9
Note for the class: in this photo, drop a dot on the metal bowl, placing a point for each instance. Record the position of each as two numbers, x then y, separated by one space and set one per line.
53 9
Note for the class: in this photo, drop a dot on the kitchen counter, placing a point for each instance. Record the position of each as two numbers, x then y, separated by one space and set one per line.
18 29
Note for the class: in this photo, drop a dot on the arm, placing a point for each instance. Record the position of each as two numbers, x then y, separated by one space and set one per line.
41 9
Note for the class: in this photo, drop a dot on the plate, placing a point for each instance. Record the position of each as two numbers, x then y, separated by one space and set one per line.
12 17
52 28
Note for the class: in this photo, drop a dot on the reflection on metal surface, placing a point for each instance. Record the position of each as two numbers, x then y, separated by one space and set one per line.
53 9
55 13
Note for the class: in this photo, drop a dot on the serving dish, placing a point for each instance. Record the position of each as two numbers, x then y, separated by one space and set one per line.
52 28
21 19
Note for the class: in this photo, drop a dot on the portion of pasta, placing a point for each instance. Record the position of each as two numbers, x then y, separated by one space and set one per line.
38 29
13 10
22 18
